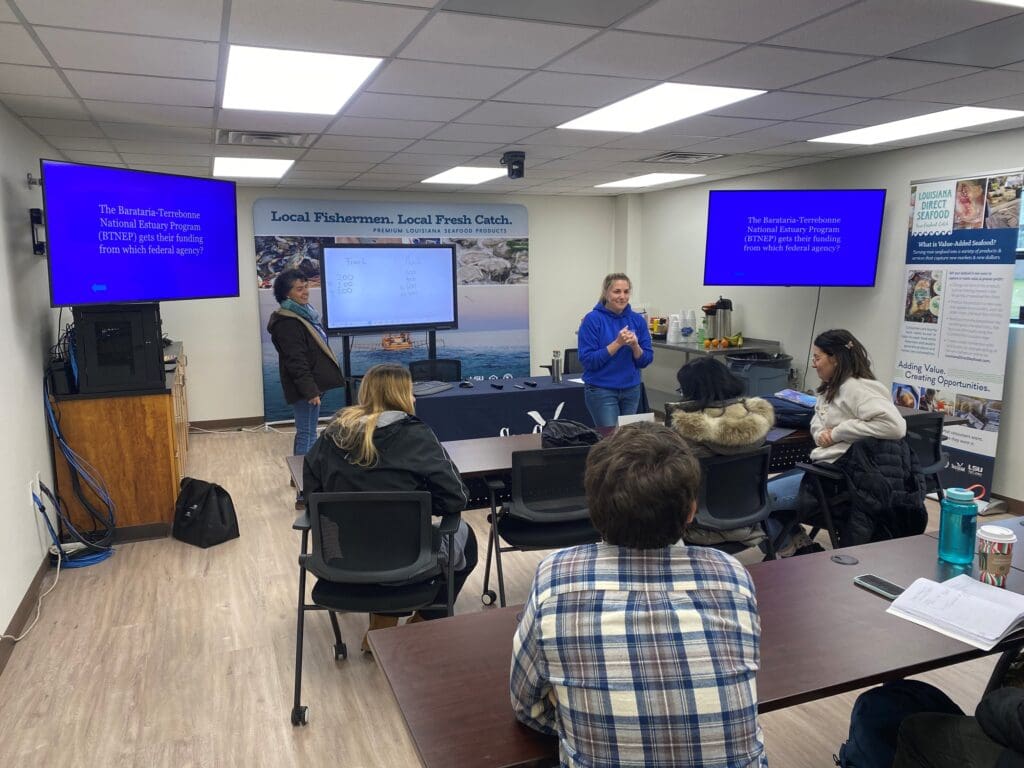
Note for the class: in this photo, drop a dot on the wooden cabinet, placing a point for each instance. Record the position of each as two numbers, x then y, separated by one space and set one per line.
138 445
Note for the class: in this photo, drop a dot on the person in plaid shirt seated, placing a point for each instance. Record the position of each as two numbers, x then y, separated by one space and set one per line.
640 650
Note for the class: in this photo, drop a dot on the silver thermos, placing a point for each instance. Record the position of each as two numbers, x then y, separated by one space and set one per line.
556 367
723 315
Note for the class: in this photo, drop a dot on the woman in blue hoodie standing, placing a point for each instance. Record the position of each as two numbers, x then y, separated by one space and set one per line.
614 344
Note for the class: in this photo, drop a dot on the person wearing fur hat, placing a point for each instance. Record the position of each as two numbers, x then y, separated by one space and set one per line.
716 418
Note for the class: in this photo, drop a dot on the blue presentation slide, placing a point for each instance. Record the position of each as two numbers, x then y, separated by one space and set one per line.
388 287
116 235
793 237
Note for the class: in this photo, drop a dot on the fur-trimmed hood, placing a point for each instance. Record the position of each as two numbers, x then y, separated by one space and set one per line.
734 428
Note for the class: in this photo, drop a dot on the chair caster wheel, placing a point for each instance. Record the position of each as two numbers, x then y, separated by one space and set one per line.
300 715
488 597
340 651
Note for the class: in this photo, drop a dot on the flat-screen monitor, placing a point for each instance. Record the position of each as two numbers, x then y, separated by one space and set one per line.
115 235
369 288
817 237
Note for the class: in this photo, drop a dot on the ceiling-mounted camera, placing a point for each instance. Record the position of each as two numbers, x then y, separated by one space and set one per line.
515 162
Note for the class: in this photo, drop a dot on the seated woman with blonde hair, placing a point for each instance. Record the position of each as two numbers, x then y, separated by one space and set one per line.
380 445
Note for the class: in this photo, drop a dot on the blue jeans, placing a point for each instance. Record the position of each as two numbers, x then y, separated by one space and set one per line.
306 417
606 405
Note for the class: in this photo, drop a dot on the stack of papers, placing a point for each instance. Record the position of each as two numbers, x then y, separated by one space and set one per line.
800 398
962 608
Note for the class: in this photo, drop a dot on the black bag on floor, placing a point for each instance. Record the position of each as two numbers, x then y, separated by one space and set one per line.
204 514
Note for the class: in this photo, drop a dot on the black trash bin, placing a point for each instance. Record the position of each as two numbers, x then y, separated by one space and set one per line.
763 373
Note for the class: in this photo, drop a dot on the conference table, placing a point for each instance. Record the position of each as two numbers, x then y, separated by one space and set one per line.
483 410
820 636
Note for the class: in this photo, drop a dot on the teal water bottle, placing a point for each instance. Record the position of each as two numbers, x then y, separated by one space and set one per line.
958 521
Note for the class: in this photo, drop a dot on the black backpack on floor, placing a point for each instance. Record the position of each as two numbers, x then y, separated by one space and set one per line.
204 514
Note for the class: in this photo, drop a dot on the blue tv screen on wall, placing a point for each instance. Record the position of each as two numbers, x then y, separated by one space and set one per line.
115 235
811 237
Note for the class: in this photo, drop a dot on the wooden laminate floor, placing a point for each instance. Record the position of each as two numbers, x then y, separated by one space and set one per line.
168 656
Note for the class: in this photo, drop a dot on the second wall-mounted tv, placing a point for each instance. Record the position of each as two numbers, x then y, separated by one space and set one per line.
369 288
116 235
812 237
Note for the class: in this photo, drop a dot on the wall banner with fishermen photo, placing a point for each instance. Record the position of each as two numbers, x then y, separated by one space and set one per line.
492 275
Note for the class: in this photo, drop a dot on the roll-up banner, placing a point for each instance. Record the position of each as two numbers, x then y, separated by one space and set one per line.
492 253
958 283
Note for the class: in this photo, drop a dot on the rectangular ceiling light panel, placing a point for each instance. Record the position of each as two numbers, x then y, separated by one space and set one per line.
465 174
301 82
651 180
250 167
922 125
660 105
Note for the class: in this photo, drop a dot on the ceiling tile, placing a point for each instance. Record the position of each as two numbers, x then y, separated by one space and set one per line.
46 106
879 27
331 26
597 13
132 112
526 115
416 107
319 166
31 81
346 155
801 148
17 47
195 19
283 122
150 90
657 142
88 156
575 90
393 178
414 158
383 186
633 54
1016 67
491 133
417 3
371 143
876 111
388 128
50 127
163 147
6 14
1010 102
466 39
130 54
736 144
332 177
710 125
763 66
298 181
141 132
971 89
990 45
727 19
883 77
569 138
408 169
424 78
75 143
539 152
179 170
471 148
202 161
794 131
784 105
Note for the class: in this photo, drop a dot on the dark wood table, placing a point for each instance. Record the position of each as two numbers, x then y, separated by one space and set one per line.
820 635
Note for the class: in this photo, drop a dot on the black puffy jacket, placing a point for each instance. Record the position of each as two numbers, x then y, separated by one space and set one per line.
307 366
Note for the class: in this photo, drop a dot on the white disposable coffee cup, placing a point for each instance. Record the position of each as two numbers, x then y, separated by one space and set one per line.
995 553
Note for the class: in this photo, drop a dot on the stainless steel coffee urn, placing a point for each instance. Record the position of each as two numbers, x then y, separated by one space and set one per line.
723 318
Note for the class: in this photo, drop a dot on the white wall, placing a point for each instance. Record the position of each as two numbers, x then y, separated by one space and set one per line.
571 250
675 224
26 333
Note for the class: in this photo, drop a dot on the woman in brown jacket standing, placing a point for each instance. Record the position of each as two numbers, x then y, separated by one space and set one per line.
307 365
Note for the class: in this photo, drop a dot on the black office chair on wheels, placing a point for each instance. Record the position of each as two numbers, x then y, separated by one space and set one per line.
548 509
899 503
734 494
442 369
372 553
924 434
